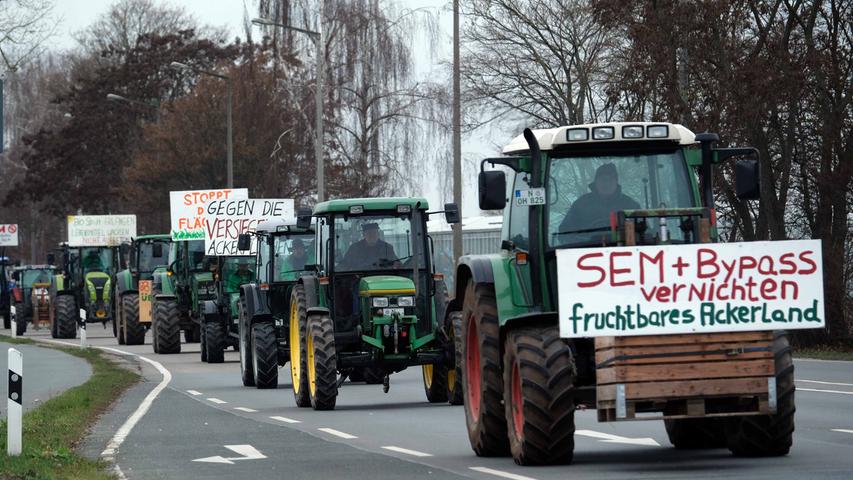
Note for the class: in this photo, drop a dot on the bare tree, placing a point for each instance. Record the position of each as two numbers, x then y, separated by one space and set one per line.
24 27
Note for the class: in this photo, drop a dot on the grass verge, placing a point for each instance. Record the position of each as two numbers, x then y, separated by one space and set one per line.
824 352
52 430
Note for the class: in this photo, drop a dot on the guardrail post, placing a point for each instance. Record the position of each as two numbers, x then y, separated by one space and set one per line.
13 312
82 327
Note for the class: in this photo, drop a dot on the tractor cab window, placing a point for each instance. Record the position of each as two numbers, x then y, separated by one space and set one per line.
584 191
36 277
292 253
237 271
376 242
196 255
97 260
518 225
148 262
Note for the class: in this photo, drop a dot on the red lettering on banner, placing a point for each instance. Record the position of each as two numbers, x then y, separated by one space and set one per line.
703 262
746 263
582 266
657 259
787 261
804 257
617 271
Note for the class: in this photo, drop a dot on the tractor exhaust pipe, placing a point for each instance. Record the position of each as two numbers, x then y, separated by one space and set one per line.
535 257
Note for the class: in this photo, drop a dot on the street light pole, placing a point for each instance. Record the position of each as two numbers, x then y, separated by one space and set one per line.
457 137
319 39
229 140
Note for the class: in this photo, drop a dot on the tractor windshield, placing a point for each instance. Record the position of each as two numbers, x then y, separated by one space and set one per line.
196 253
292 253
97 260
148 262
237 271
584 191
375 242
39 276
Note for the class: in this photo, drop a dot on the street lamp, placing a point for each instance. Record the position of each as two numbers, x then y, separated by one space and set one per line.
155 105
229 140
319 42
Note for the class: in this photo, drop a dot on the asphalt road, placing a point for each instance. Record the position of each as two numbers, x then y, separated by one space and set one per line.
47 373
400 435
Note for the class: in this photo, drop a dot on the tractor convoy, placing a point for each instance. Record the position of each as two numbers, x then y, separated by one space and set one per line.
610 291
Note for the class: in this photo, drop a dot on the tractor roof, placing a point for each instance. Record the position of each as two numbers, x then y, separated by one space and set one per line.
370 204
158 236
585 134
35 267
279 224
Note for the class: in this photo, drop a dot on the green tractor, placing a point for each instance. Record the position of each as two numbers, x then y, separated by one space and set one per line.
180 291
132 314
265 328
594 187
85 283
218 317
32 295
373 301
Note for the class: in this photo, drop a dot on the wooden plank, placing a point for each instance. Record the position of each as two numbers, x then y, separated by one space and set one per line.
680 354
687 371
630 233
687 389
681 339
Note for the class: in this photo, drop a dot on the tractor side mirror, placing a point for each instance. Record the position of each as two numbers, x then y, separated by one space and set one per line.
747 180
451 213
51 259
157 250
303 218
244 242
492 190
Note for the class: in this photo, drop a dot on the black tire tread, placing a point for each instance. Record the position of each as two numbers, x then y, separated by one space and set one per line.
134 331
214 342
322 333
455 395
65 317
168 327
265 355
303 397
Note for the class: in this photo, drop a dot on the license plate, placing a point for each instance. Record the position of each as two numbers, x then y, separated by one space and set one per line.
391 311
530 197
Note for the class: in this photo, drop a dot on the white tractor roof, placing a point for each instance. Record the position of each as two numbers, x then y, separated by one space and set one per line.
273 224
551 138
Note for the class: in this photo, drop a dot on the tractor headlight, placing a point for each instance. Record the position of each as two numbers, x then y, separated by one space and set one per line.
632 131
657 131
406 301
602 133
380 302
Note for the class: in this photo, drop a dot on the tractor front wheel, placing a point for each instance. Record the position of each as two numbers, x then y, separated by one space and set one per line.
539 374
435 383
265 355
132 331
167 327
484 410
244 332
454 375
65 324
214 342
21 322
296 341
321 362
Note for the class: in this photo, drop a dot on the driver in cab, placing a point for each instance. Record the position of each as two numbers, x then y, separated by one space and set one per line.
370 252
92 262
591 212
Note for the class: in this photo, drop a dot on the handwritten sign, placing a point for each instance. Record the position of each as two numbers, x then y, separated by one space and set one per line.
188 210
145 301
9 235
100 230
668 289
227 219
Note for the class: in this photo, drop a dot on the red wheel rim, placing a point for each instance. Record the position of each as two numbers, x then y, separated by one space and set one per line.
472 367
517 403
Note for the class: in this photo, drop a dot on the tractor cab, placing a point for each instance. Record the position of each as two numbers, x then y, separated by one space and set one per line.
31 294
143 255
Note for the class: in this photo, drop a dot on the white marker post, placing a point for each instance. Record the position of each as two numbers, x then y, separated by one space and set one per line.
14 321
15 407
82 327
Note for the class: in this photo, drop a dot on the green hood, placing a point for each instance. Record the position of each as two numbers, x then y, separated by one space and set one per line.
385 285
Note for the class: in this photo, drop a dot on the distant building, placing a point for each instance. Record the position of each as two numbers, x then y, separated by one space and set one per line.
479 235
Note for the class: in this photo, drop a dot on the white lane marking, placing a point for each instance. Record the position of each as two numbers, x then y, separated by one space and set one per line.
414 453
337 433
610 438
194 393
825 383
823 391
246 452
247 410
842 430
216 401
499 473
285 419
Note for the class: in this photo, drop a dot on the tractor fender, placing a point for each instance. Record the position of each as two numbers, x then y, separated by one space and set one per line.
255 302
164 296
124 282
470 267
310 284
209 311
317 310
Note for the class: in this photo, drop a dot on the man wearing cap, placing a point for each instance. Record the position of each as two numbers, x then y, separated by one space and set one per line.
592 210
296 261
240 276
370 252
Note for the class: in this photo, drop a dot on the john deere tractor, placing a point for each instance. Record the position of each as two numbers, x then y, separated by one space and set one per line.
372 302
146 254
85 282
180 291
265 330
218 319
583 201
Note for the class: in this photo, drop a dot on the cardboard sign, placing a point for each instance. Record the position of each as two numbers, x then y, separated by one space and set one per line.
100 230
227 219
9 235
669 289
188 210
145 300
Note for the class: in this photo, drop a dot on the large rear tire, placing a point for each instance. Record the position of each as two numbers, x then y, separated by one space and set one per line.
134 332
321 362
539 375
696 433
265 355
167 327
769 435
455 394
246 370
21 322
484 410
65 317
214 342
296 342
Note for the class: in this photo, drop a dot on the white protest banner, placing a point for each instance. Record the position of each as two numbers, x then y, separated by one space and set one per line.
100 230
9 235
702 288
227 219
187 209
